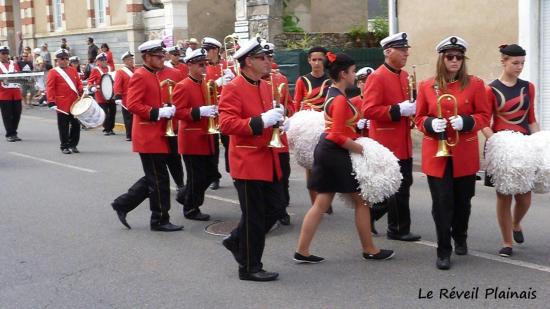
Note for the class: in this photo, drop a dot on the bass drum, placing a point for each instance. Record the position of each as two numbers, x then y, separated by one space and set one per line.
88 112
107 86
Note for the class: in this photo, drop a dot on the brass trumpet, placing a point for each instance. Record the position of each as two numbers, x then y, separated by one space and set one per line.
275 141
169 125
412 91
230 43
443 142
211 93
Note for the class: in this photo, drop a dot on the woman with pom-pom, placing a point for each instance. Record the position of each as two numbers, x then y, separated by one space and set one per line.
512 103
451 178
332 169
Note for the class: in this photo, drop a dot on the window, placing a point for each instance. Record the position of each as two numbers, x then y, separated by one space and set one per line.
100 12
58 14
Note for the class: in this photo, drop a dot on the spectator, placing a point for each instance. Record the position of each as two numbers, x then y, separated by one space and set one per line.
64 45
193 44
92 50
107 51
27 89
45 54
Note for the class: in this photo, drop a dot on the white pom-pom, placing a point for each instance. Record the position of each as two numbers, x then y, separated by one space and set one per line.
540 141
303 135
511 162
376 170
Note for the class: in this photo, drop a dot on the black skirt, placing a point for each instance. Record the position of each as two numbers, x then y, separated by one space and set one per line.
332 170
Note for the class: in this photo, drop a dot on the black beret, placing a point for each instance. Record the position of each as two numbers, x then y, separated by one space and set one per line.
317 49
513 50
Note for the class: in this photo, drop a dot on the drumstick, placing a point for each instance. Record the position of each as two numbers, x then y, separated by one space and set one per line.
58 110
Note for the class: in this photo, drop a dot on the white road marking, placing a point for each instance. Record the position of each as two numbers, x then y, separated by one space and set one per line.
496 258
53 162
215 197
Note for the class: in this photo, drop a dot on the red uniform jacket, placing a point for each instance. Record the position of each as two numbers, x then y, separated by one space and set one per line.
384 89
95 81
310 92
182 67
110 61
241 106
122 81
341 117
176 76
193 137
357 101
476 112
59 92
10 94
144 100
284 100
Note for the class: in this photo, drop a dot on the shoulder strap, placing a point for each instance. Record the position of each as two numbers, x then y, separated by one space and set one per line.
128 72
69 82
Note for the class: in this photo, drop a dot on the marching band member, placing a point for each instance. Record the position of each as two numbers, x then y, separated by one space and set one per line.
387 107
503 95
144 101
310 92
63 89
451 178
10 97
195 143
122 81
74 62
94 85
363 124
107 51
217 71
174 56
247 115
332 169
278 79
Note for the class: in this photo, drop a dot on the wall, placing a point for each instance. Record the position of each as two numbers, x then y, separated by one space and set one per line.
483 24
210 18
40 18
75 12
117 10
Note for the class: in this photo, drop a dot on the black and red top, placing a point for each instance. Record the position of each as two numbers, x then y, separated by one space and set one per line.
310 92
512 107
341 117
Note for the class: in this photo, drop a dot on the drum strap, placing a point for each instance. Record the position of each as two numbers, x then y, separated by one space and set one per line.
128 72
100 71
67 79
5 70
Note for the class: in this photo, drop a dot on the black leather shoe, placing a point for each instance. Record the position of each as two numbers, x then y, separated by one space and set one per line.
17 139
232 245
66 151
10 139
261 276
285 219
443 263
197 215
518 237
75 150
129 139
168 227
122 217
405 237
461 249
215 185
112 133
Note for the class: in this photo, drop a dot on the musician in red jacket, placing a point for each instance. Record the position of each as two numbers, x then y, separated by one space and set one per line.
451 178
386 105
122 80
63 89
247 115
10 96
195 143
217 71
94 86
174 54
149 140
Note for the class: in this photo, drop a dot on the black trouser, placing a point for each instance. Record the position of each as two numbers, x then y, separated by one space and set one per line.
11 114
69 130
451 206
284 158
201 172
174 162
128 119
260 203
155 185
110 113
216 157
225 143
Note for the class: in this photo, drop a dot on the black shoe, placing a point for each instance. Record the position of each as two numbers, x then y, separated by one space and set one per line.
167 227
518 237
232 245
261 275
461 249
106 133
122 217
405 237
382 255
112 133
285 219
329 210
10 139
311 259
75 150
443 263
129 139
66 151
17 139
196 215
215 185
506 252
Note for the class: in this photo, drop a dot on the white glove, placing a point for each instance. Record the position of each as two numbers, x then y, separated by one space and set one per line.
53 107
208 111
457 122
407 108
361 123
286 125
439 125
272 116
92 90
167 112
118 102
228 73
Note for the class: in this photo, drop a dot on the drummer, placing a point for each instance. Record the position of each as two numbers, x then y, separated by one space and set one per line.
94 85
63 89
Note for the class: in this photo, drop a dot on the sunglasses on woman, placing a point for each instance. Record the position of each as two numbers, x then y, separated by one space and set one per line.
450 57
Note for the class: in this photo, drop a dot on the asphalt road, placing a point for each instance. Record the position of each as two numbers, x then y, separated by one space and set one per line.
62 246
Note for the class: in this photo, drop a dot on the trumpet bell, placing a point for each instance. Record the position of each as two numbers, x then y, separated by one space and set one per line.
442 149
169 129
212 126
275 141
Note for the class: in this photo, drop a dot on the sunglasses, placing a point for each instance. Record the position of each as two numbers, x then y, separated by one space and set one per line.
64 58
458 57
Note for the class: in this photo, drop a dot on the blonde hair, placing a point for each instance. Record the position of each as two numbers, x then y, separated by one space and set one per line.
441 73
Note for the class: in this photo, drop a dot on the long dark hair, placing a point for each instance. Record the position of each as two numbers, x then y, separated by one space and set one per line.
441 73
336 63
